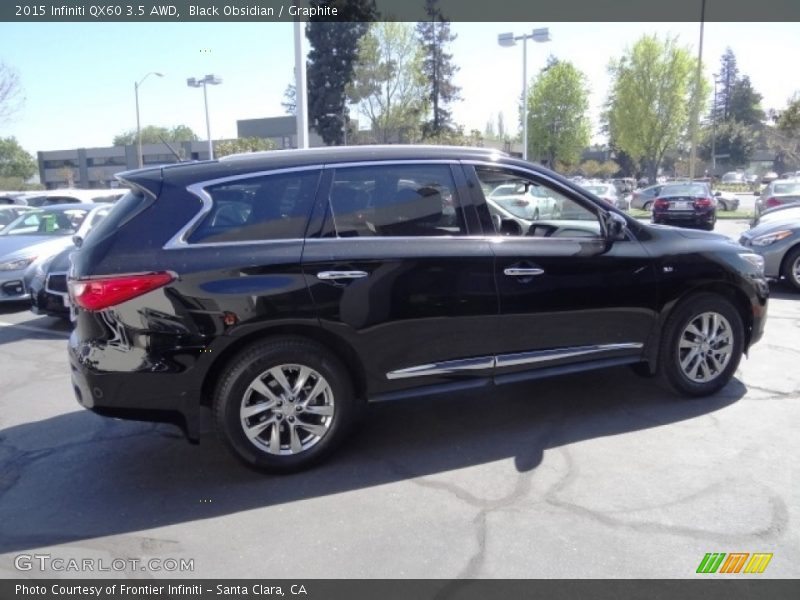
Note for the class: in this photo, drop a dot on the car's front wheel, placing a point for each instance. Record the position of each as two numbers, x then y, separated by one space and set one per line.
284 404
702 345
791 268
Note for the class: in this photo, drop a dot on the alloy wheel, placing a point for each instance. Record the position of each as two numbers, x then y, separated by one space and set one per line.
705 347
287 409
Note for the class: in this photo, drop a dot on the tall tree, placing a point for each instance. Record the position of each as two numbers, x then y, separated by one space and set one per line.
728 76
434 35
651 93
15 160
11 96
745 104
332 54
558 124
501 125
154 135
784 137
388 84
734 139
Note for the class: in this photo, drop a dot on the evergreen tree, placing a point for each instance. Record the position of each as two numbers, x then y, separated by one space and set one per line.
745 103
438 68
728 76
334 49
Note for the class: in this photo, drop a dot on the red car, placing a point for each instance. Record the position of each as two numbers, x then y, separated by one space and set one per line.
685 204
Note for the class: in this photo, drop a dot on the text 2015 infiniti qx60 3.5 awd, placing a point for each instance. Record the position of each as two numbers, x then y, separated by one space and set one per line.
277 293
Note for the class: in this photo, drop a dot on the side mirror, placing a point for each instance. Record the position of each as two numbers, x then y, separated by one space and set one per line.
616 226
757 193
77 240
510 227
717 194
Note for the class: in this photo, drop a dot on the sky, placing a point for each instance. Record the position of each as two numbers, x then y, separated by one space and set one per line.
78 78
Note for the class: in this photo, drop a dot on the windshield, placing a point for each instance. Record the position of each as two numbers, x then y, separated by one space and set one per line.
64 221
781 215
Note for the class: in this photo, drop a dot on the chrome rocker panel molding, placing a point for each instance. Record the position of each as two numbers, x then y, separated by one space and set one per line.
507 360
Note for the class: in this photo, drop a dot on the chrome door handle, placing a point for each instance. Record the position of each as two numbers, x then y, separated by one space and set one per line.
334 275
520 272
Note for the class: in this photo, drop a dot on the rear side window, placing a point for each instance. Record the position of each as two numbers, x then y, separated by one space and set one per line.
395 201
267 207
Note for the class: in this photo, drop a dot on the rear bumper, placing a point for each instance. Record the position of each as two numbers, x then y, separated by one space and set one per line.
704 217
147 396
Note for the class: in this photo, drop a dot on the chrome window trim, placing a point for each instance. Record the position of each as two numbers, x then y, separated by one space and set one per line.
506 360
179 240
444 368
538 356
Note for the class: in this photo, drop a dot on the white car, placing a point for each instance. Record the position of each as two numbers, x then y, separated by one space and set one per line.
529 202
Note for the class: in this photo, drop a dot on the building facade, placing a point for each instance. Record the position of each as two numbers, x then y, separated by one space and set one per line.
91 168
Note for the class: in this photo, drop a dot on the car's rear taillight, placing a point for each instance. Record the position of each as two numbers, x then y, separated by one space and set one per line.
101 293
703 202
520 202
773 202
661 203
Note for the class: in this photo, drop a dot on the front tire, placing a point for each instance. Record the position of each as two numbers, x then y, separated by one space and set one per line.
284 404
791 268
702 345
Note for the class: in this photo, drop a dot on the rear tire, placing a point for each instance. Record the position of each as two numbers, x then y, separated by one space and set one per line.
791 268
647 206
702 345
284 404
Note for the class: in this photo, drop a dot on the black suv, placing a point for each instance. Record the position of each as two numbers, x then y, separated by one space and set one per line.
277 293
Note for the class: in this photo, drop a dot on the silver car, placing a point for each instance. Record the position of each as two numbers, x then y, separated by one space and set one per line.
35 236
778 193
777 239
608 193
529 202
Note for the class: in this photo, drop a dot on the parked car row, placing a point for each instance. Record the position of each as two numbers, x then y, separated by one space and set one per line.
29 242
62 196
277 294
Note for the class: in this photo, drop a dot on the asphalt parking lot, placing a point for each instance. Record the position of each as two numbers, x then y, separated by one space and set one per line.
602 474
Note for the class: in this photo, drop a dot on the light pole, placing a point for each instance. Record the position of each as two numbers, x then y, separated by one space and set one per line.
203 83
714 129
138 125
509 39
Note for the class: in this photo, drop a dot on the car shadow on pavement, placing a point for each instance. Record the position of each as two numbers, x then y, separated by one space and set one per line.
79 476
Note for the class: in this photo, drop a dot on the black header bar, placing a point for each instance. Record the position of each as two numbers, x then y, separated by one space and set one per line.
539 11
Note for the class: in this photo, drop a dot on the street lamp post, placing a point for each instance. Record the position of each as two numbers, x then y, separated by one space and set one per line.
509 39
714 129
204 83
138 124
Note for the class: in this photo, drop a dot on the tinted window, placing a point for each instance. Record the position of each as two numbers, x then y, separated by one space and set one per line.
531 201
268 207
395 200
